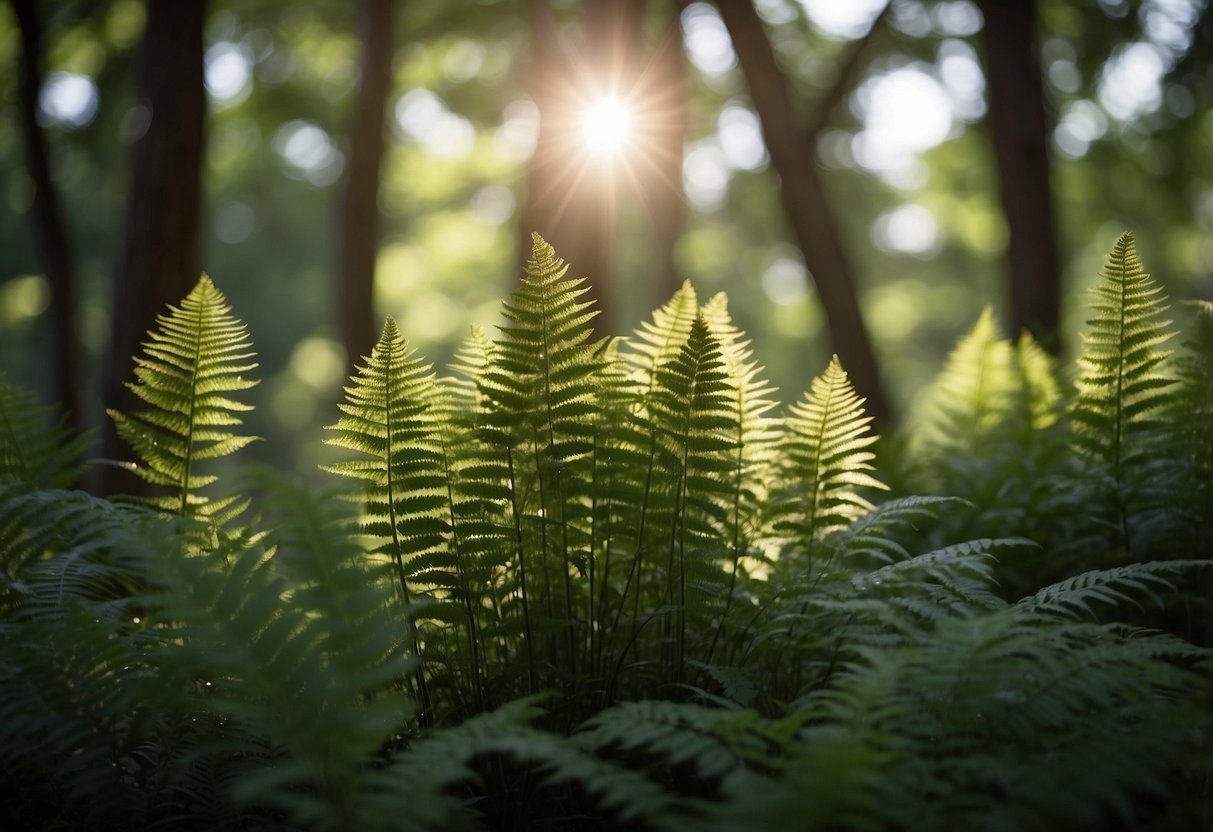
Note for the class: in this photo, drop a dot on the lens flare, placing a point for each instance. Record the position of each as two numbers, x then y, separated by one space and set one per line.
606 126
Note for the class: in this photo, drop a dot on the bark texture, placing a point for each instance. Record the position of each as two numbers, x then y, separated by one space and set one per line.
359 221
54 244
1019 134
805 202
159 259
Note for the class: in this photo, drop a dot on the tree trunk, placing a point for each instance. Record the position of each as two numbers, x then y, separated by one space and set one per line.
55 248
805 202
158 264
1021 146
571 198
359 243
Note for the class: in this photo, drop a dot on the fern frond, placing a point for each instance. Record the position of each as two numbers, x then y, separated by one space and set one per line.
1076 596
299 650
1119 386
1194 417
59 548
876 537
825 458
35 446
974 392
387 421
542 389
694 415
195 358
657 342
1040 393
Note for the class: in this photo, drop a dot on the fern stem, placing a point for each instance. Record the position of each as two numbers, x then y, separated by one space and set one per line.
737 486
187 462
473 635
423 695
526 613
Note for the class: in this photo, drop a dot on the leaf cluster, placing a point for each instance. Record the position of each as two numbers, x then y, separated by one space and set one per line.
603 584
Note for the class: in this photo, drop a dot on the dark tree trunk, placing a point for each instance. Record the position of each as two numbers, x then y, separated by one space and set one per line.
805 202
359 243
1021 146
159 261
55 248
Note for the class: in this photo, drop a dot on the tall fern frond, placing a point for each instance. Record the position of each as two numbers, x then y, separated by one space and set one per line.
825 458
1119 385
35 446
197 356
694 414
757 433
543 386
387 421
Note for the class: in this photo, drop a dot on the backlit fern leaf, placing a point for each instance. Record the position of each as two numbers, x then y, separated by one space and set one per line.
1119 386
657 342
387 421
755 439
197 356
541 389
35 446
694 413
825 458
1040 394
975 390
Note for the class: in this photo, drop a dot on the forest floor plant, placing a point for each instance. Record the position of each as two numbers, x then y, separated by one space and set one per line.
601 584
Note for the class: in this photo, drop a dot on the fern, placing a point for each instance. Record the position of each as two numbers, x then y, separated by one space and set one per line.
825 458
1077 596
974 392
541 384
1192 418
1120 389
196 357
35 446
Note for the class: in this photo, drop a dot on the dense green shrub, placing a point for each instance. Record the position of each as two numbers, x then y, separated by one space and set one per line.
599 584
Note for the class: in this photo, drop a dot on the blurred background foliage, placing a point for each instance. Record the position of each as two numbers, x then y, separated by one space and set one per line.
905 157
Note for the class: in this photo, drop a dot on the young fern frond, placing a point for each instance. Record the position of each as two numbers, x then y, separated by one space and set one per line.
1119 387
35 446
825 459
198 355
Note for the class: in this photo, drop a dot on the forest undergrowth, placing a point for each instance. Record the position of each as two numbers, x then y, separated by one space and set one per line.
579 584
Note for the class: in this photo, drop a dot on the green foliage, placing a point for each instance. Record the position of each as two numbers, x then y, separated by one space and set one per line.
197 356
28 452
600 585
